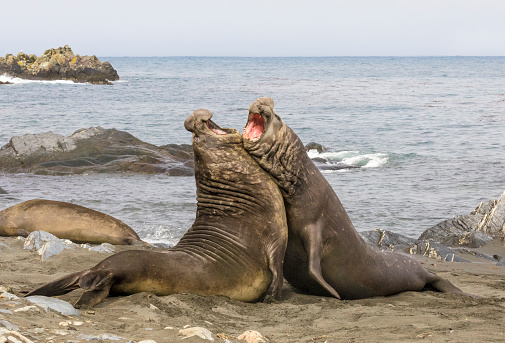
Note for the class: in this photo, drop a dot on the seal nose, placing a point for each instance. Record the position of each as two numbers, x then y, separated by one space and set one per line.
258 103
196 117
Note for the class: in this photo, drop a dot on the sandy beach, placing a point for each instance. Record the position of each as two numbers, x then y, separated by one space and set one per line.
406 317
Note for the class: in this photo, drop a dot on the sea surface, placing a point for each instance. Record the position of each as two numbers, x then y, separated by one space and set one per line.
428 133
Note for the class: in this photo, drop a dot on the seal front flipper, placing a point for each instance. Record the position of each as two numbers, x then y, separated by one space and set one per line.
275 264
98 284
314 248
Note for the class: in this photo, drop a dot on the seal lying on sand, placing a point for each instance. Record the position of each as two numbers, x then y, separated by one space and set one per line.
325 254
66 221
234 248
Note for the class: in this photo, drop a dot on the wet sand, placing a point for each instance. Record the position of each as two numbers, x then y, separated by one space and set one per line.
406 317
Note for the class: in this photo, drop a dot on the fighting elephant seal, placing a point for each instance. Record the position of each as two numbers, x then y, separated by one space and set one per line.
325 254
235 247
66 221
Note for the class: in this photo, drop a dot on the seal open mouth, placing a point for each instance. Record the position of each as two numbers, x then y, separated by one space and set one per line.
216 129
255 127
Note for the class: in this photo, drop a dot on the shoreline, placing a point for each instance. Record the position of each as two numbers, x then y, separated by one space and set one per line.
405 317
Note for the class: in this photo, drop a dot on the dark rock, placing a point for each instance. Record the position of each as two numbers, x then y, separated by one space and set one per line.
58 64
5 83
315 146
92 150
387 240
437 251
332 166
483 224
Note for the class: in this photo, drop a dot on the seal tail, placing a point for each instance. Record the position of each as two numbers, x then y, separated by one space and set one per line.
58 287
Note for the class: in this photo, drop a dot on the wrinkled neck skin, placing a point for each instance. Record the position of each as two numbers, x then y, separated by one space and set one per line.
283 155
229 184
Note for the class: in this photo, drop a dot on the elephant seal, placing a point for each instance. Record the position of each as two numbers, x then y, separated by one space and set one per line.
66 221
235 247
325 254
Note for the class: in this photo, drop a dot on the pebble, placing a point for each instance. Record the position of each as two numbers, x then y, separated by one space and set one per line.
252 336
197 331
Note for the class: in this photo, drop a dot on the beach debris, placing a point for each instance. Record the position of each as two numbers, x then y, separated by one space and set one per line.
5 289
105 336
252 336
57 305
9 296
8 326
26 309
13 337
196 331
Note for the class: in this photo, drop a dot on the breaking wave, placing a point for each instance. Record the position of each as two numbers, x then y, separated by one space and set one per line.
351 158
17 80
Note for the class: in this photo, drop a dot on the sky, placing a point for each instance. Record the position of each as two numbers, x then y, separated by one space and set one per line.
255 27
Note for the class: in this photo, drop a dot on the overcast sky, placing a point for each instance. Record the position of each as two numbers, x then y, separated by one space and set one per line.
255 27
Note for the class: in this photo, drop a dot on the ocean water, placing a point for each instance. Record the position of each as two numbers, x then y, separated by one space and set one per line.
428 133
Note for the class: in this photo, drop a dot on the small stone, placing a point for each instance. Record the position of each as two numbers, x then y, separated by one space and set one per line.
252 336
27 308
197 331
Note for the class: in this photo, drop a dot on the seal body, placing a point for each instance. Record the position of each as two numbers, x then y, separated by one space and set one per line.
66 221
325 254
234 248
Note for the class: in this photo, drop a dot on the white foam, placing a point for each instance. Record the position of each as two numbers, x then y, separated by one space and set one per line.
352 157
367 160
17 80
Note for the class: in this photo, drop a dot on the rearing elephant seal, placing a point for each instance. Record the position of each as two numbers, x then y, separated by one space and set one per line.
66 221
325 254
235 247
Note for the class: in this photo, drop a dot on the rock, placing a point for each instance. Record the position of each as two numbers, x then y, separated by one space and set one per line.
483 224
58 64
437 251
36 240
2 191
57 305
92 150
48 245
8 326
387 240
52 248
197 331
252 336
5 83
315 146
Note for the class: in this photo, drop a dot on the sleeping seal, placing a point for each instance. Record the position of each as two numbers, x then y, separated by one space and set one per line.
66 221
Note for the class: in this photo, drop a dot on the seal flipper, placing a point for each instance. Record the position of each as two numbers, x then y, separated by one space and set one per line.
275 264
314 248
442 285
58 287
98 284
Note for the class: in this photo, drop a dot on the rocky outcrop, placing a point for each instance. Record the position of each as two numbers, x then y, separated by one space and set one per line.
455 240
93 150
58 64
482 225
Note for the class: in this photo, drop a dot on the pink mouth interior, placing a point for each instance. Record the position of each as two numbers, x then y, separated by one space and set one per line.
255 126
215 129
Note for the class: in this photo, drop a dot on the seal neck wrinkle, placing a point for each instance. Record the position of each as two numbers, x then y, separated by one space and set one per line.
284 158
